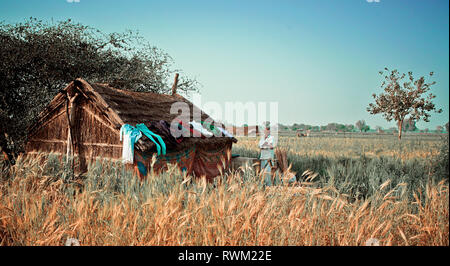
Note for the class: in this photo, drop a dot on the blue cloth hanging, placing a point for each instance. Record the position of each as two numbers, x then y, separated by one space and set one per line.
144 129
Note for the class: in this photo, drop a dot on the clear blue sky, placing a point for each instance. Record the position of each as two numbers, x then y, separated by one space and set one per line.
318 58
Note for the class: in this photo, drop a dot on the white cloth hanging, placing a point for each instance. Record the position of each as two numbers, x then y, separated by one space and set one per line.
201 129
130 136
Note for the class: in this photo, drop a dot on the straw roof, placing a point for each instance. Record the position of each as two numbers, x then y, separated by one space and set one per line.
126 107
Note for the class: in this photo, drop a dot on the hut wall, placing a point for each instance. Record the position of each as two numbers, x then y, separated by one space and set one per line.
51 137
95 136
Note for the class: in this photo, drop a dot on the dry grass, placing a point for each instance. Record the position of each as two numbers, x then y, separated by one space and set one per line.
40 206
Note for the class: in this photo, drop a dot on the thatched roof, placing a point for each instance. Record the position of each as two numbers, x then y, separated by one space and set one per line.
126 107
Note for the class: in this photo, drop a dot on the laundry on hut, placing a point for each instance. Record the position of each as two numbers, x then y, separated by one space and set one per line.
226 133
163 129
216 130
197 126
147 132
211 128
130 135
187 130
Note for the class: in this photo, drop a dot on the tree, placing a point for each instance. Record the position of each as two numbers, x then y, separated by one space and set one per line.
360 124
409 125
400 100
446 127
37 59
439 129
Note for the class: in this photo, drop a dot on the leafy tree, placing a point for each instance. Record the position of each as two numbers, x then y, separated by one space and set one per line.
446 127
400 100
37 59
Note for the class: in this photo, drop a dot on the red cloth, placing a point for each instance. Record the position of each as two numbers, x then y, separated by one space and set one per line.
197 161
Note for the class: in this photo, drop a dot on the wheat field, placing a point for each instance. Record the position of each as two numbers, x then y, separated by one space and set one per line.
42 204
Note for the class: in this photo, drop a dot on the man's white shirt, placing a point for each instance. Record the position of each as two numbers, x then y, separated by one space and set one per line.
265 144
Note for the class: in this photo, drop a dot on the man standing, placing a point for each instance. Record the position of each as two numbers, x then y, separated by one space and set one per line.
267 144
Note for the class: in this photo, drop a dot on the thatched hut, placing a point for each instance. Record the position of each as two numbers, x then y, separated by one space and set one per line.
96 113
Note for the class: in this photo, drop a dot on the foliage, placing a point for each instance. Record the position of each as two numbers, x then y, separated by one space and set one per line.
400 100
38 59
362 126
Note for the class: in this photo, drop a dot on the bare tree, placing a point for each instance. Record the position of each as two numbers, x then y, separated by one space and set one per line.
409 125
400 100
360 124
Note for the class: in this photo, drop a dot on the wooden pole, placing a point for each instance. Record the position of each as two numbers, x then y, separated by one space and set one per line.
70 111
69 131
175 83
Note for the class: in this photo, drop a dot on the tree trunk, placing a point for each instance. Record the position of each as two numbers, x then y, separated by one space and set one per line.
400 127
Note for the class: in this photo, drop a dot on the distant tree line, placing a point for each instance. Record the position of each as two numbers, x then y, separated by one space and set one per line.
408 125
